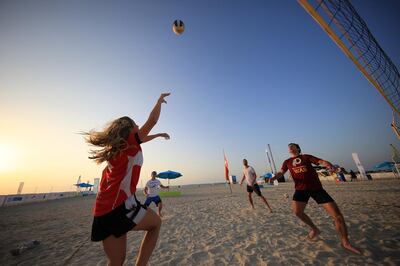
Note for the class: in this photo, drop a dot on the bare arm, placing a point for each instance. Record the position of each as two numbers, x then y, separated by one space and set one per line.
153 117
164 186
281 173
255 176
151 137
241 182
325 164
146 190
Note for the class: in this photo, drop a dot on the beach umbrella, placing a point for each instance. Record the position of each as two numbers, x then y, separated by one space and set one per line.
85 185
267 175
169 175
384 166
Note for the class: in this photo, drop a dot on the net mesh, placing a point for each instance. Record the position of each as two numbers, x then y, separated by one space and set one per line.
351 29
395 124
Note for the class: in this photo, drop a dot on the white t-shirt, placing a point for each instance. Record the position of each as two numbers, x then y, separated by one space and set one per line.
153 187
250 175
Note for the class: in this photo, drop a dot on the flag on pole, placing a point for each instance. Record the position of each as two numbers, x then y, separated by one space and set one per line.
226 164
226 168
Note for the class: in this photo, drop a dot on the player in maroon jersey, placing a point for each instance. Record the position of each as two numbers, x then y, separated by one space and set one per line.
307 184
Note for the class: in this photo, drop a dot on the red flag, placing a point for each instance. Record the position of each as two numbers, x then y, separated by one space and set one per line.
226 168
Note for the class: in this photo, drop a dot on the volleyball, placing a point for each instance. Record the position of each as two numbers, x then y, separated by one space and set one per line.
178 27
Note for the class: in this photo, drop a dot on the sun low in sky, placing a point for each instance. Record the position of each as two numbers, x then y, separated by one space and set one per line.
9 156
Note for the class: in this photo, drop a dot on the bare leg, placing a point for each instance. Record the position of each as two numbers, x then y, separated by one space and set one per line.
251 201
115 249
159 209
333 210
266 202
298 209
150 223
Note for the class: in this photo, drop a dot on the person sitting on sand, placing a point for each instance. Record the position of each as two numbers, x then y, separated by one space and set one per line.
250 175
307 184
151 191
117 210
353 176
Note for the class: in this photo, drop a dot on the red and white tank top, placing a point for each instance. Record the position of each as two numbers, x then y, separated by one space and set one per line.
120 177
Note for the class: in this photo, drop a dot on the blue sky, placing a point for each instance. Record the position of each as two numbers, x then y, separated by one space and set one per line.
244 74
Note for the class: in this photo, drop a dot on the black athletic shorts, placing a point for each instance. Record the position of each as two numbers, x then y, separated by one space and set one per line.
119 221
255 188
320 196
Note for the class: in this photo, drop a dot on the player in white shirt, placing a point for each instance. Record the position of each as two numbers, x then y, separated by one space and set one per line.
250 175
151 191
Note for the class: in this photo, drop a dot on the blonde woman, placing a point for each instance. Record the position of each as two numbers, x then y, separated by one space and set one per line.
117 210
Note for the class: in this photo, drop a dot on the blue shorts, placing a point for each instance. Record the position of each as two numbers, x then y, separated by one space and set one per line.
155 199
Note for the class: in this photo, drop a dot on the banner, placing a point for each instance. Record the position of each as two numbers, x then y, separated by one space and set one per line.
360 167
16 199
21 186
226 168
272 158
269 161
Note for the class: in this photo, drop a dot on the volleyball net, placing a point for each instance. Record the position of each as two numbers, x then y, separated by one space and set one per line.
347 29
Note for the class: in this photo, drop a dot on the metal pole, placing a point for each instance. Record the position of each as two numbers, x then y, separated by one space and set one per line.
272 158
396 173
269 161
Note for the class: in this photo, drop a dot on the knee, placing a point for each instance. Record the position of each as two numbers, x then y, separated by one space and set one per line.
338 218
153 221
157 223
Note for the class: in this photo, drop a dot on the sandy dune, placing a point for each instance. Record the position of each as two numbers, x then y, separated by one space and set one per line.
210 226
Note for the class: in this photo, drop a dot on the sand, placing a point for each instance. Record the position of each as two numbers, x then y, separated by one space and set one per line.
210 226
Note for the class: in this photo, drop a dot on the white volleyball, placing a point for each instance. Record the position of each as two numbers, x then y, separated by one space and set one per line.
178 27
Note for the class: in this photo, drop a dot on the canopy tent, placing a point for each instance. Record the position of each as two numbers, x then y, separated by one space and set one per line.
384 166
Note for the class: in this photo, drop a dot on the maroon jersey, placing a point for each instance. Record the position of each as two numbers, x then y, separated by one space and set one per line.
304 175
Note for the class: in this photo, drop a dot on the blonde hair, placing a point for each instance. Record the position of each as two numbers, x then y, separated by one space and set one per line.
112 140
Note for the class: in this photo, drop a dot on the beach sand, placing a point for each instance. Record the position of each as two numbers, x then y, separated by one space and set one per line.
209 226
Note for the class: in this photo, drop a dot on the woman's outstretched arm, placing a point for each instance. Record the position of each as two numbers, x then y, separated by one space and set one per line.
153 117
151 137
